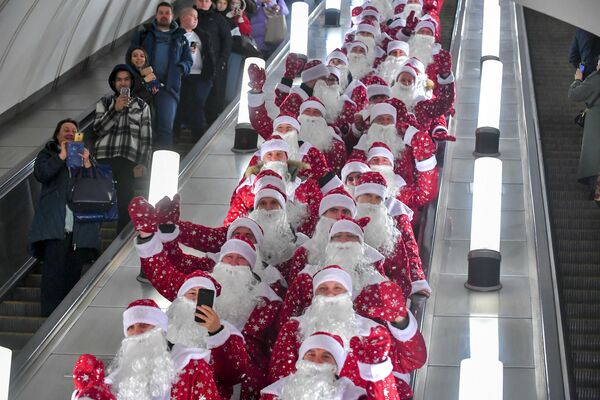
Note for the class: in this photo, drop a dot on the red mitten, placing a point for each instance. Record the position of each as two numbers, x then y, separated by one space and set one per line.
443 136
257 77
349 37
167 210
88 371
143 215
411 23
373 349
443 60
381 301
293 66
430 5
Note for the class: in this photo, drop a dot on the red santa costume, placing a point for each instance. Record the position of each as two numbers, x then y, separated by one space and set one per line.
390 232
340 109
144 369
351 172
337 58
336 315
88 378
377 94
389 67
318 381
359 63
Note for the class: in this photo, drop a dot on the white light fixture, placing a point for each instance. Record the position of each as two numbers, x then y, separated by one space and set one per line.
332 12
164 175
490 38
487 135
299 29
5 362
246 138
484 255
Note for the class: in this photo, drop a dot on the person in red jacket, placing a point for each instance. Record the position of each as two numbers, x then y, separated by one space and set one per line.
320 360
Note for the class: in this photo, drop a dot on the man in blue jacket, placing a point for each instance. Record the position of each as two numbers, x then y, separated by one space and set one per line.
170 57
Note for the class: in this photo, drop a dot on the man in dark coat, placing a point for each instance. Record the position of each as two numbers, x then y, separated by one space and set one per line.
585 49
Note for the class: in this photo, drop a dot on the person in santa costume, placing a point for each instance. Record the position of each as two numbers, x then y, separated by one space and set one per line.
377 93
88 378
218 342
144 368
351 172
333 310
247 303
397 55
390 232
337 58
320 360
359 64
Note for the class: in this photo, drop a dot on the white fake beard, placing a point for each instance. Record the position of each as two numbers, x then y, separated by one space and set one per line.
343 77
278 241
237 299
387 134
296 213
390 68
330 96
350 189
311 381
291 138
335 315
280 167
380 232
421 47
315 131
371 44
143 368
183 329
350 257
417 8
384 7
359 65
319 240
406 94
390 178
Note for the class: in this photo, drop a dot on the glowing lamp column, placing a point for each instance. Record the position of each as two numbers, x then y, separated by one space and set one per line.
490 38
246 138
487 135
5 361
332 12
484 255
299 29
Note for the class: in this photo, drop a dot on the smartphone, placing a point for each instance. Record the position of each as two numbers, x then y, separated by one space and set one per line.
582 67
206 297
74 159
79 137
147 70
126 91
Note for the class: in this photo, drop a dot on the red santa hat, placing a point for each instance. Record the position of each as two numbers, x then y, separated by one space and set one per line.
383 109
313 102
286 119
339 54
349 225
337 197
370 11
398 45
314 69
335 71
201 279
87 371
144 311
373 79
383 301
246 223
98 392
417 65
354 165
365 26
356 43
274 143
378 90
410 68
397 3
270 191
380 149
371 183
267 177
332 273
397 23
425 23
326 341
241 246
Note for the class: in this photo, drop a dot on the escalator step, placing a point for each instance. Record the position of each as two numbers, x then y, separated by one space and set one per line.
20 324
576 245
33 280
583 207
583 326
24 293
580 282
584 342
588 393
580 269
586 359
14 340
20 308
582 310
570 223
581 295
587 377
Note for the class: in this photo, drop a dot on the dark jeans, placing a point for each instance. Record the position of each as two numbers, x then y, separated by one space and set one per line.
194 92
122 170
61 270
216 98
165 107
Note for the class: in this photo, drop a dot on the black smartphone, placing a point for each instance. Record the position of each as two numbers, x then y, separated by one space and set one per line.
206 297
582 67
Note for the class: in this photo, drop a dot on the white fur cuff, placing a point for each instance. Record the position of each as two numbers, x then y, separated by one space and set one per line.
446 80
166 237
404 335
150 248
375 372
256 99
426 165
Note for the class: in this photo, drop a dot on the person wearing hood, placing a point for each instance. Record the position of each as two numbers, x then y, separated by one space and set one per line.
170 56
56 237
123 135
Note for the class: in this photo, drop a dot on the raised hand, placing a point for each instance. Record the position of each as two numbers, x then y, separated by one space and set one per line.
168 210
293 65
257 76
442 135
143 215
373 349
443 60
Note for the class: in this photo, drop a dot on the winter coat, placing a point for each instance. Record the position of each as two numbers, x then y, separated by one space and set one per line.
259 21
180 56
209 58
49 219
587 91
585 48
219 32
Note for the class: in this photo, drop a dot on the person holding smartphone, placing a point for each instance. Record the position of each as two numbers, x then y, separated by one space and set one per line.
123 136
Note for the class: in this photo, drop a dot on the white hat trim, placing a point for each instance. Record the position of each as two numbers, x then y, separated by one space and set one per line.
324 342
344 225
332 275
196 281
371 188
145 314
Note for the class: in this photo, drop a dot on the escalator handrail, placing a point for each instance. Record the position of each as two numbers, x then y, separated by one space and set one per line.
40 343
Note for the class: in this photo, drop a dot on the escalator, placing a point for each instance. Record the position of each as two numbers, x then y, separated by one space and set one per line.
574 218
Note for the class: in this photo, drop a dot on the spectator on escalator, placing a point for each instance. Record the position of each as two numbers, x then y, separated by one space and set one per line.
124 136
585 49
170 56
235 15
63 244
220 37
196 86
588 91
259 22
146 84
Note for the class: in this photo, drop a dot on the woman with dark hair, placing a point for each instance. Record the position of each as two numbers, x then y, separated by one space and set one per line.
147 85
63 244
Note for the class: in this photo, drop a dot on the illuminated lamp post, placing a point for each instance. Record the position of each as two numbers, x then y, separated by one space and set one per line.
487 134
332 12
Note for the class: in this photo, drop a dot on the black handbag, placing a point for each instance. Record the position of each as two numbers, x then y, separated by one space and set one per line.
580 118
92 191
